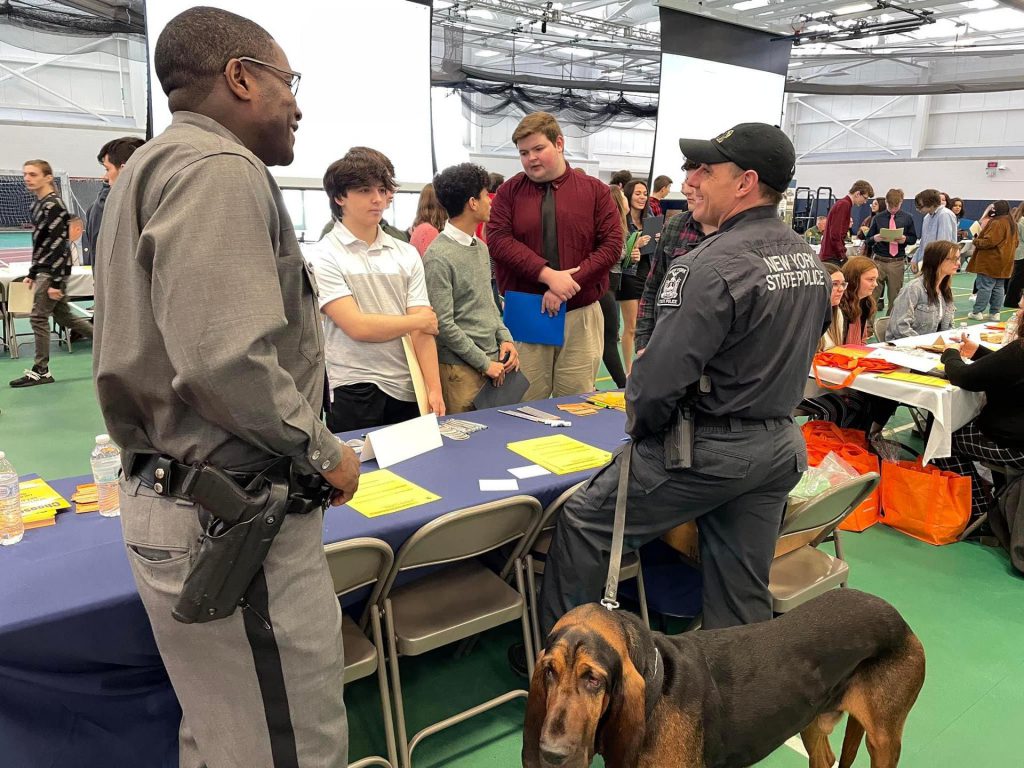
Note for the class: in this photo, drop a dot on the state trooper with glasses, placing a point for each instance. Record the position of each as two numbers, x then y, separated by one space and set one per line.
209 353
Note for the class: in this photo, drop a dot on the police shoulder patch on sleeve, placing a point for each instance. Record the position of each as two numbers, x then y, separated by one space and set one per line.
671 294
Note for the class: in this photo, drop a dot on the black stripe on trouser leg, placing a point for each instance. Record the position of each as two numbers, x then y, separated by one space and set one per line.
270 674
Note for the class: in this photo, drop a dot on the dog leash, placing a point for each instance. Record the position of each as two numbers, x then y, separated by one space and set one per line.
611 584
654 683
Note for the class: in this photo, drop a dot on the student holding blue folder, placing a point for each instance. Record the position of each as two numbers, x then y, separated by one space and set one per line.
554 233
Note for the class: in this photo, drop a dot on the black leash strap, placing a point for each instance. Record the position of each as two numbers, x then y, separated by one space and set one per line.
611 585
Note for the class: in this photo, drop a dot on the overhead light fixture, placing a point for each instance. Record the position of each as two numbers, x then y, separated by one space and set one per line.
749 5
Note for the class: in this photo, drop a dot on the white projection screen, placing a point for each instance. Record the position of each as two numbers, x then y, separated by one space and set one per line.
713 76
365 68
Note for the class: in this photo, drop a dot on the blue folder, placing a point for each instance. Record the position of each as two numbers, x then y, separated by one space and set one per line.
528 322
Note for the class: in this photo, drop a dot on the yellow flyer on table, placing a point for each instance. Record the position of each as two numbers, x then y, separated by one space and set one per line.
915 378
382 492
561 454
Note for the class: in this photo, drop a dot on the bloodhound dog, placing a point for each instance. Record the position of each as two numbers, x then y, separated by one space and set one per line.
723 698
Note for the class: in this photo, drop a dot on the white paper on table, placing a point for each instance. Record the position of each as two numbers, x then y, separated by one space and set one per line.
921 362
530 470
499 485
402 441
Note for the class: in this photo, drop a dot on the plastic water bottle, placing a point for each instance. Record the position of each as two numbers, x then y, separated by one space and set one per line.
963 331
106 466
12 527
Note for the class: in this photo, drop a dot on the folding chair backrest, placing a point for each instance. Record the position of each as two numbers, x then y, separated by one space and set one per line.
823 513
19 298
467 533
547 517
881 324
356 563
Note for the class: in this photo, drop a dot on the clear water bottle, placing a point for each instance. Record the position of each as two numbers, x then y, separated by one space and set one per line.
106 467
963 332
12 527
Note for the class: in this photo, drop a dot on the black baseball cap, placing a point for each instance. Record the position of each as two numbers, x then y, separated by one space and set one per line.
753 147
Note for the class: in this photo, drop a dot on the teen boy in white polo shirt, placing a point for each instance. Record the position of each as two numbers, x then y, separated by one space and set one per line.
373 292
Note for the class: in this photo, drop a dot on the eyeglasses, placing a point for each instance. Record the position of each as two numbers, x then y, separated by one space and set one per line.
839 285
293 77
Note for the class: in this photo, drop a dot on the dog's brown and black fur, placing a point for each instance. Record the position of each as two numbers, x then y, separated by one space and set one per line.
723 698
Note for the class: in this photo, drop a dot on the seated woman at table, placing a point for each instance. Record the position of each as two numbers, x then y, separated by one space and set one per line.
996 436
925 305
857 303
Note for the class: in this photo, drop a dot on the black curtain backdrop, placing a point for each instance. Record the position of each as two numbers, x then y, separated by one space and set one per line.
699 37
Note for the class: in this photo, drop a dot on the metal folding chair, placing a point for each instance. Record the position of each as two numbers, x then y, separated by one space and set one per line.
806 572
355 564
457 601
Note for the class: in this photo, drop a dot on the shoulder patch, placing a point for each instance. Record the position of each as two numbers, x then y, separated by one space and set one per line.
671 293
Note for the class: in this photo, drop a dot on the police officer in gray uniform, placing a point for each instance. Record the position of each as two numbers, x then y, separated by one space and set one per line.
744 310
209 351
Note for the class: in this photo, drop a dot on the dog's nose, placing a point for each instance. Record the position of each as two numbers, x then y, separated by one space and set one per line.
554 755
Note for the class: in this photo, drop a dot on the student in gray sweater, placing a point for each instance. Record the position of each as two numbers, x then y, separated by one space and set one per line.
474 347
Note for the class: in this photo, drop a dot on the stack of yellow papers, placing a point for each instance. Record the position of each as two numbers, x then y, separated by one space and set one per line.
86 498
382 492
40 503
561 454
615 400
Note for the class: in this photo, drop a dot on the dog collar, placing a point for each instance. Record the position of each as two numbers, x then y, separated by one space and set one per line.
653 684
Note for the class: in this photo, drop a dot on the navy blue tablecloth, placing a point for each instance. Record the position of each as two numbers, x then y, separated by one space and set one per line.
81 681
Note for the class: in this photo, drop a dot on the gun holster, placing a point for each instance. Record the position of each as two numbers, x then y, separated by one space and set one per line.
678 442
239 526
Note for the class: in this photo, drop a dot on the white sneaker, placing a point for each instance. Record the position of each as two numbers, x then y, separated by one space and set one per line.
994 317
976 315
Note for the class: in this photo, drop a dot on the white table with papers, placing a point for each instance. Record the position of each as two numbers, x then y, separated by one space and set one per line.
950 406
80 284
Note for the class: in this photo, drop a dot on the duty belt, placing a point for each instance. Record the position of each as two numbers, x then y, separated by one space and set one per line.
704 421
168 477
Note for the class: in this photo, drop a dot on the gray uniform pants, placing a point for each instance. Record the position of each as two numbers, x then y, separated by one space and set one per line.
43 308
256 691
736 491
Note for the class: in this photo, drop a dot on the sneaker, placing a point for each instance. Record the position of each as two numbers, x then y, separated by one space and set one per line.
33 378
976 315
994 317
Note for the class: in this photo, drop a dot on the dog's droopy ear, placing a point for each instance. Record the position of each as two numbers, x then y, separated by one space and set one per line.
623 728
536 712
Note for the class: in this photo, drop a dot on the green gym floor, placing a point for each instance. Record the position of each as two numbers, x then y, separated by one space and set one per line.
962 600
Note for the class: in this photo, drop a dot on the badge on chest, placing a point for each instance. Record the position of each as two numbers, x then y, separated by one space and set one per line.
671 294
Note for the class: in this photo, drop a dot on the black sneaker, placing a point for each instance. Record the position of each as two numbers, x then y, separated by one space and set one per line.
33 378
517 659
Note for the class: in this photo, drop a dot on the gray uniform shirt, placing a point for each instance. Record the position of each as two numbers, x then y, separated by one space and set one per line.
208 344
746 307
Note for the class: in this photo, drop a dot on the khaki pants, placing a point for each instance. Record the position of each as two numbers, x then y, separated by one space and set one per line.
890 273
460 384
570 369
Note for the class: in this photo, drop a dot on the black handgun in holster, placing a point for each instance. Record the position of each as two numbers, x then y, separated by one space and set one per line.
239 525
679 438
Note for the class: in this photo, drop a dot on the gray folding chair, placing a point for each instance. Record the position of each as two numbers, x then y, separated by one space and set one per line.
535 551
881 324
354 564
457 601
806 572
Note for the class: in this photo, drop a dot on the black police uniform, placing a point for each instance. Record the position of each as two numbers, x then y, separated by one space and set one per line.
745 308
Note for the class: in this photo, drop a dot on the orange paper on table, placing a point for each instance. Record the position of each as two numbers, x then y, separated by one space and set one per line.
925 502
823 438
